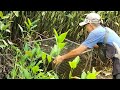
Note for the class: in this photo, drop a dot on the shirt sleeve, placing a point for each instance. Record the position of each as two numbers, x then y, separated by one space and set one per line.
92 39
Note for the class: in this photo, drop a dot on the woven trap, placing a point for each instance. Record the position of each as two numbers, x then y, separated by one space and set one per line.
63 69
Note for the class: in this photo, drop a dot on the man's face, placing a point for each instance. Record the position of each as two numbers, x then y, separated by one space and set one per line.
88 27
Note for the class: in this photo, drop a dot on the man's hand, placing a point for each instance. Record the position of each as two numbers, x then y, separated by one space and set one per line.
71 54
117 55
58 60
96 46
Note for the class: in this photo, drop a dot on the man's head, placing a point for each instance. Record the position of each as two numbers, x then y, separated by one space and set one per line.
91 21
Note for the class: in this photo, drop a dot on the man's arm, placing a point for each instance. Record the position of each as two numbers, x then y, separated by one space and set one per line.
73 53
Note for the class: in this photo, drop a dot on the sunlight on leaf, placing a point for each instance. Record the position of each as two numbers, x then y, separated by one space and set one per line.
70 74
73 64
35 69
49 58
43 55
117 23
62 37
1 14
4 27
10 42
16 13
20 28
91 76
83 75
5 42
29 22
7 30
61 45
27 25
55 32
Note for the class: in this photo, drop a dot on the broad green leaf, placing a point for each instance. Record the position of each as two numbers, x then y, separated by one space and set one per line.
16 13
1 14
4 27
27 74
29 22
6 17
62 37
35 69
83 75
61 45
91 76
76 60
20 28
73 64
49 58
43 55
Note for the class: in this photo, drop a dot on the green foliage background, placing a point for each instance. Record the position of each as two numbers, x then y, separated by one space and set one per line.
13 28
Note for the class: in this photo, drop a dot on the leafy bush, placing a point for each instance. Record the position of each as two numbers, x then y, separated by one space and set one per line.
31 64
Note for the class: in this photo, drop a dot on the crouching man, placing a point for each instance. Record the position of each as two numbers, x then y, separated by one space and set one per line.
98 35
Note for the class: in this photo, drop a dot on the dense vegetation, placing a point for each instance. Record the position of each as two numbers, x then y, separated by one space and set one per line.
20 31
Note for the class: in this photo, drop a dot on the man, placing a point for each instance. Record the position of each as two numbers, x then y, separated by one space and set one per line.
98 35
